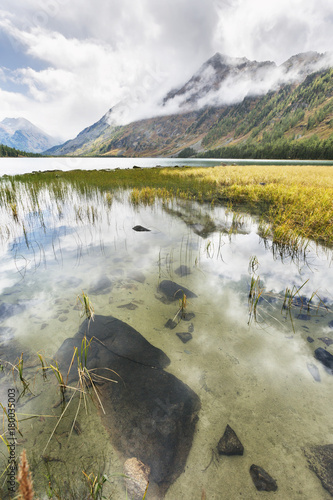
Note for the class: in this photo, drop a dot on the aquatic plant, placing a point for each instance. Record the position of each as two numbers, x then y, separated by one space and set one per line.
109 199
13 207
44 366
3 436
60 379
253 264
87 307
236 224
147 195
291 299
86 383
209 249
181 313
24 479
255 293
96 484
294 202
17 369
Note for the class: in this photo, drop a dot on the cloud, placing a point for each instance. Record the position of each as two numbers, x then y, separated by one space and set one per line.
76 59
274 30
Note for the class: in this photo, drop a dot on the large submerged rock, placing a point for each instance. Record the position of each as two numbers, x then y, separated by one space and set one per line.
150 413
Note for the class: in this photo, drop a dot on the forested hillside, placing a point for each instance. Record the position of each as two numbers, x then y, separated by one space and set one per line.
7 151
294 122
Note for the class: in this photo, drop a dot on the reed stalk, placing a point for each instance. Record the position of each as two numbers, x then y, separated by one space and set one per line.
26 491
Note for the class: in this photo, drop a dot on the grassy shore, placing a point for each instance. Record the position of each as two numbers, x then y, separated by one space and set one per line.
294 203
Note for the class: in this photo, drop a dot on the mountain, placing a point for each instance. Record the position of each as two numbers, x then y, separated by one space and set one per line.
212 79
21 134
228 101
85 139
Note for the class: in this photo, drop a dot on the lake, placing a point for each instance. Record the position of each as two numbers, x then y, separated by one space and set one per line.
15 166
242 344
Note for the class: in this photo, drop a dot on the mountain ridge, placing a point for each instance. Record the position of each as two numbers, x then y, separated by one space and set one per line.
21 134
202 121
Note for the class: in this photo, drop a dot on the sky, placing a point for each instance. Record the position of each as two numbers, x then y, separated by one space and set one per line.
65 63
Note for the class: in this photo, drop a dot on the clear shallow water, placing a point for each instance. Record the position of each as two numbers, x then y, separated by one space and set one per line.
253 377
16 166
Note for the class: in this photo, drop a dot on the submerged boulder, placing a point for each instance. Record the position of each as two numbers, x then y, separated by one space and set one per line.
112 337
150 414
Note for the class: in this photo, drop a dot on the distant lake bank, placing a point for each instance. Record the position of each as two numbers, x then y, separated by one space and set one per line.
17 166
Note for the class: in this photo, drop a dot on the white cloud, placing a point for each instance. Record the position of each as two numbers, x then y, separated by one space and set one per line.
96 54
275 30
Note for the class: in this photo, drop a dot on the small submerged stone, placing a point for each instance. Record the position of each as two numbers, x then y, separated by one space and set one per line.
140 228
188 316
229 443
183 270
310 339
6 333
261 479
326 340
170 324
8 310
314 371
304 317
136 276
129 306
71 282
325 358
184 336
173 291
137 477
100 286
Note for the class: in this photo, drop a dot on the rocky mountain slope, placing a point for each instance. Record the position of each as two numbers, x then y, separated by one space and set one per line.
21 134
227 102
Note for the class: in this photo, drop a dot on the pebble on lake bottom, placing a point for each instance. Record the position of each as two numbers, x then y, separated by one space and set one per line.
261 479
184 336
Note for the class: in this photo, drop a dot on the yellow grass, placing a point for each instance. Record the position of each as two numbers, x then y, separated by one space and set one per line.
296 200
